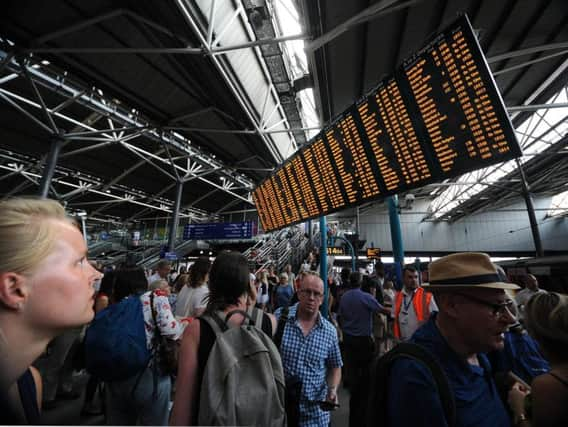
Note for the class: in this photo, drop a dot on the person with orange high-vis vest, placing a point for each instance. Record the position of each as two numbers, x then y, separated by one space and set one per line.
412 306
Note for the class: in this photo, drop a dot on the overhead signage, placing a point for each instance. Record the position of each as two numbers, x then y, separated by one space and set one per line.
219 230
438 116
334 250
170 256
374 253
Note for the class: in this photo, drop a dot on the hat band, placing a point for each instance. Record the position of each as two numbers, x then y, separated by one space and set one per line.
469 280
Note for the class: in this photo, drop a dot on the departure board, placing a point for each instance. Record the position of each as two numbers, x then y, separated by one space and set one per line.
438 116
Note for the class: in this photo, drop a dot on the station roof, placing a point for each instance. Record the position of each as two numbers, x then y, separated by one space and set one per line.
149 93
358 43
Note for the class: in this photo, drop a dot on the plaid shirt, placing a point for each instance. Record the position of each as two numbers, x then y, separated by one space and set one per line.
309 357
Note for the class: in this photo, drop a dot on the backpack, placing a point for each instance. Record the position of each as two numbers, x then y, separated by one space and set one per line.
377 407
115 341
243 379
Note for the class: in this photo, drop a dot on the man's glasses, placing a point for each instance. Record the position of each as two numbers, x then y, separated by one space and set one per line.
310 293
497 309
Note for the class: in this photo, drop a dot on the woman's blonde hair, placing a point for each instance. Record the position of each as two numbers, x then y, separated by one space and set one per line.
157 284
546 316
26 238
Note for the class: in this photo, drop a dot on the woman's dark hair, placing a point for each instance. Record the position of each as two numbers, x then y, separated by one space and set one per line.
199 271
368 283
129 281
107 284
355 279
180 282
228 280
345 273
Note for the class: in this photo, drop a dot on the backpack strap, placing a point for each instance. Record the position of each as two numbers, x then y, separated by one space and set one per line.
378 395
256 316
281 325
219 320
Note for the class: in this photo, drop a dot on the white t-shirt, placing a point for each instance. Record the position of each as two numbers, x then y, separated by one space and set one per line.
190 299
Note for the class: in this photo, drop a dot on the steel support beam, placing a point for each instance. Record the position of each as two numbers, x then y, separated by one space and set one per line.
527 51
381 8
530 211
175 217
536 107
396 238
49 168
164 50
323 266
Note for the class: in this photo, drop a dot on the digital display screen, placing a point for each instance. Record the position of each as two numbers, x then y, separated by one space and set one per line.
219 230
374 253
335 250
438 116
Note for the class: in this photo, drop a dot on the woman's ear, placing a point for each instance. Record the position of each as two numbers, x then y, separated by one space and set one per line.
13 290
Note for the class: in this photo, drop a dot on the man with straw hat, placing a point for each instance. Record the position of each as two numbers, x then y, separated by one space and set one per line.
472 319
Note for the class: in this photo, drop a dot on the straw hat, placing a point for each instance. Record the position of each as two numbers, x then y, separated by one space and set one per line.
466 270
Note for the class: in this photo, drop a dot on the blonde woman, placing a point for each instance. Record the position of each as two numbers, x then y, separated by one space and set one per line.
546 317
46 287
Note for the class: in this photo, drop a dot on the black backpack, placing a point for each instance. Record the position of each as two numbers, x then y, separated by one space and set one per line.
377 406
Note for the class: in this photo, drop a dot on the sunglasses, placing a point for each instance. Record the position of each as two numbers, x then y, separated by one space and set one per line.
497 309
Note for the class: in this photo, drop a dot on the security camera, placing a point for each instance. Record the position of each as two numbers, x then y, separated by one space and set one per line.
409 200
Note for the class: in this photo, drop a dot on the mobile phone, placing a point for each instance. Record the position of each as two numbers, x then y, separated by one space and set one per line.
326 405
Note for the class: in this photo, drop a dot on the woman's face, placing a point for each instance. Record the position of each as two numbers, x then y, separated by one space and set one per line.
60 291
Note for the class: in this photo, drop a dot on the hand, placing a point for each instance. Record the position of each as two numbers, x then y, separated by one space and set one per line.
332 395
516 399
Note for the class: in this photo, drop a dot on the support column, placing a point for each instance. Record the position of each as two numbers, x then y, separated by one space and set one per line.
530 210
49 168
357 221
396 238
175 217
323 266
84 227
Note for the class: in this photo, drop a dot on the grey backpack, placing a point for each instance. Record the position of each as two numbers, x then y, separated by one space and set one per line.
243 380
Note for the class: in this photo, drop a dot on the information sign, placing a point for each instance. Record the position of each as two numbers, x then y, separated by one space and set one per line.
334 250
219 230
374 253
438 116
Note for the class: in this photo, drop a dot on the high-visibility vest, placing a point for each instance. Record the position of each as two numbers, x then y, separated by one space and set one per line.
421 304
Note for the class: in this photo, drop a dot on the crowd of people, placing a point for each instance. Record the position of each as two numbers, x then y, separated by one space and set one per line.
231 346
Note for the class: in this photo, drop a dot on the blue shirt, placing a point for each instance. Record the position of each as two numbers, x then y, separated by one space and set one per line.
356 310
283 295
309 357
414 400
521 356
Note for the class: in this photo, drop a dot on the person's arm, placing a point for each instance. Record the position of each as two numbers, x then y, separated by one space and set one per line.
167 323
411 381
374 305
333 379
38 385
186 383
433 306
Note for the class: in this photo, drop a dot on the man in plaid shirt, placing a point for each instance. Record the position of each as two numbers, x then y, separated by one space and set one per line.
310 353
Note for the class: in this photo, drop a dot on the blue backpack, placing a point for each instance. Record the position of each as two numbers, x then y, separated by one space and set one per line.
115 342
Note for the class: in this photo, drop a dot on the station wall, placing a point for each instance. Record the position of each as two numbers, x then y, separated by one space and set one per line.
505 229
